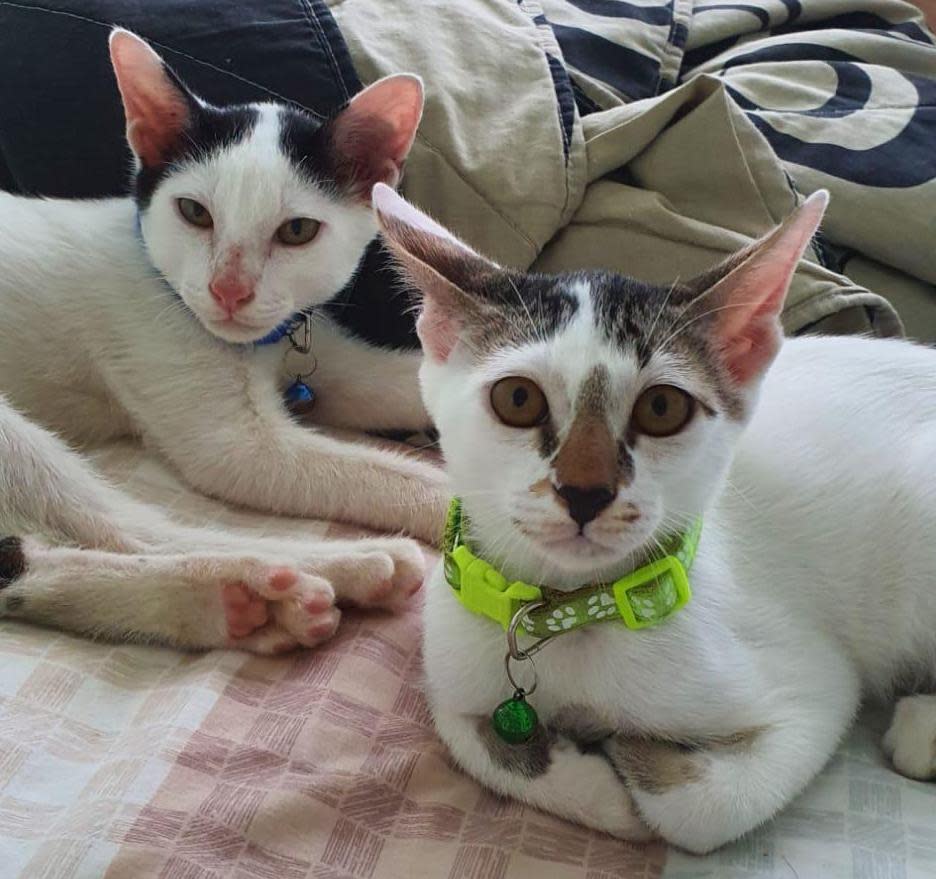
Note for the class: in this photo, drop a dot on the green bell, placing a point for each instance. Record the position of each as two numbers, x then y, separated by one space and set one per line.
515 720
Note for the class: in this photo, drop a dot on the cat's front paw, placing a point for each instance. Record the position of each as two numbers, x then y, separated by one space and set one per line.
272 609
911 740
377 573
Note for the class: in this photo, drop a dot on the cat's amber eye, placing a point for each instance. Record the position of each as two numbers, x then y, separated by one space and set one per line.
519 402
299 230
195 213
663 410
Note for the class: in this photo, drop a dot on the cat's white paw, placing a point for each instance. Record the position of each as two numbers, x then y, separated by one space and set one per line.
593 795
381 573
621 819
911 740
268 608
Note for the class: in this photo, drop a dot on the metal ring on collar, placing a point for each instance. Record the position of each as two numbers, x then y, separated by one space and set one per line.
526 691
513 648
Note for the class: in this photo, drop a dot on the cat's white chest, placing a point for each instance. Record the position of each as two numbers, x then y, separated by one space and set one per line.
604 670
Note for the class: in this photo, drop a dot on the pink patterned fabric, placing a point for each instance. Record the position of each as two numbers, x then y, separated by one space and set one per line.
326 765
130 762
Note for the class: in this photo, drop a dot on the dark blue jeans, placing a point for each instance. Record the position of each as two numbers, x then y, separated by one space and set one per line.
61 124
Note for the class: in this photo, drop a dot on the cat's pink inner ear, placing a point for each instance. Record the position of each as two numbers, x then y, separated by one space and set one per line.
748 300
437 327
156 110
373 135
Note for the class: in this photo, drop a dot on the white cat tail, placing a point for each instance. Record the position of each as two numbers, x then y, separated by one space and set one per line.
156 105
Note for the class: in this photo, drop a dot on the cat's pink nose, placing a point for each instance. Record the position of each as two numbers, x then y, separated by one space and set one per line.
230 294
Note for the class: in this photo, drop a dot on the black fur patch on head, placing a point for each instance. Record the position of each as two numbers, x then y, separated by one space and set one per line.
517 309
209 130
12 560
646 318
306 141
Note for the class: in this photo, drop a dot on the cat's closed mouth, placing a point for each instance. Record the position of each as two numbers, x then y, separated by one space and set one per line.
580 545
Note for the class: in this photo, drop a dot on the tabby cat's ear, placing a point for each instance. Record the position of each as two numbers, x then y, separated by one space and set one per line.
372 136
445 271
743 297
156 105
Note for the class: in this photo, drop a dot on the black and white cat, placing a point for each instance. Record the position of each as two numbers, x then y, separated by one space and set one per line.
168 316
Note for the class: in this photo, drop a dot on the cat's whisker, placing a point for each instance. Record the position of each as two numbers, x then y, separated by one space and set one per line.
537 329
695 319
662 309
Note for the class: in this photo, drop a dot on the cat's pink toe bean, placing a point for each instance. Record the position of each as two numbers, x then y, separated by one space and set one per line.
283 579
256 613
235 595
324 629
381 591
317 603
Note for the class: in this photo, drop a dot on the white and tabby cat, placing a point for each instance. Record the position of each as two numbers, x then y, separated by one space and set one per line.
165 316
589 419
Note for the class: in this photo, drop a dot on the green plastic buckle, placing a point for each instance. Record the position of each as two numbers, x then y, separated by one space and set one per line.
482 589
641 604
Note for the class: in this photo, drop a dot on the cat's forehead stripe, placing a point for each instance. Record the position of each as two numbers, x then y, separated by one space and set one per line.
594 392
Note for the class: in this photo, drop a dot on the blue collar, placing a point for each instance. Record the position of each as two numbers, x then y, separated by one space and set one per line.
286 328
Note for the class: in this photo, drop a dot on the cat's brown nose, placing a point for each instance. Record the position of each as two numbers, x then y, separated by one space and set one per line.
585 503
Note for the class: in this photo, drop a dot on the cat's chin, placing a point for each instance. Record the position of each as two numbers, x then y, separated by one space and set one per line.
236 332
577 560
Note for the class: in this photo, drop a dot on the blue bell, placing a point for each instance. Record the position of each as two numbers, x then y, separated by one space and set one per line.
299 394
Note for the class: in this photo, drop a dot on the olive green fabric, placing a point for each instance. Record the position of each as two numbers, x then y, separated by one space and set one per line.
664 186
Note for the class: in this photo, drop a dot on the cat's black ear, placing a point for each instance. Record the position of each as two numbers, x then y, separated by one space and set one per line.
157 107
445 271
743 297
371 137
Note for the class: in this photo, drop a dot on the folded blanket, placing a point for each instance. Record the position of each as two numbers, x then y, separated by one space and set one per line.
655 137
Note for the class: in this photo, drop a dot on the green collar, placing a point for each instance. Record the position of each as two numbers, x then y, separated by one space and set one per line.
643 598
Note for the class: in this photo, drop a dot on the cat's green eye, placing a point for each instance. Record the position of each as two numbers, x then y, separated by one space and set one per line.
519 402
662 410
194 213
299 230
